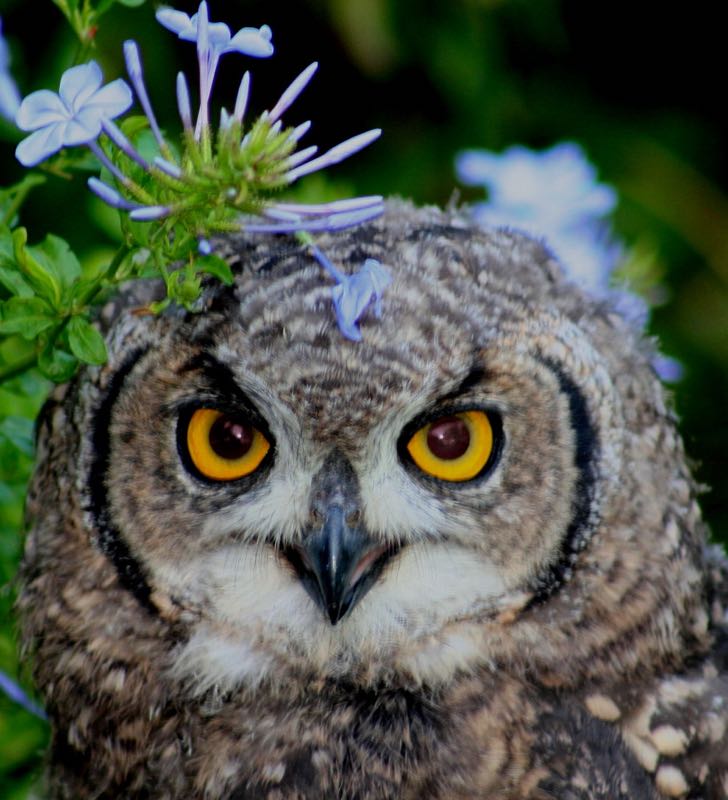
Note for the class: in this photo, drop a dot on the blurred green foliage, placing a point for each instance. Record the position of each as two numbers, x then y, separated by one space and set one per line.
438 78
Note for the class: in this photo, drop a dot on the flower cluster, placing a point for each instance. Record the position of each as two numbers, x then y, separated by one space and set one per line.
9 95
217 181
555 195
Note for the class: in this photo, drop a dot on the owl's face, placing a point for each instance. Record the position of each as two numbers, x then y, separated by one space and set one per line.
294 499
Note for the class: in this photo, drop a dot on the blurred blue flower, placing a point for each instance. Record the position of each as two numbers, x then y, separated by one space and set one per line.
669 369
353 293
73 116
555 195
9 94
17 695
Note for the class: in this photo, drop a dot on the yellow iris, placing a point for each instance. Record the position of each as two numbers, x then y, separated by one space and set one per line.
455 447
223 448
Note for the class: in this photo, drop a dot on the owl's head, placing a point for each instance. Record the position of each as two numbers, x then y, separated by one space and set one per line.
483 481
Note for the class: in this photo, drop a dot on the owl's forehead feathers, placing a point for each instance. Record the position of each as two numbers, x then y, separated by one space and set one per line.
451 293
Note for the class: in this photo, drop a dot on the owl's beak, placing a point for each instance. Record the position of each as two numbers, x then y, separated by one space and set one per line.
338 564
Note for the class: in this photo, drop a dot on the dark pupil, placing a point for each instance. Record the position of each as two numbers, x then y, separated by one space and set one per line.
448 438
230 438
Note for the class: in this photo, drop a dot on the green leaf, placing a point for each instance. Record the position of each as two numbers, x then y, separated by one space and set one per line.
45 282
10 276
57 365
19 432
57 257
131 3
86 343
215 266
12 280
27 316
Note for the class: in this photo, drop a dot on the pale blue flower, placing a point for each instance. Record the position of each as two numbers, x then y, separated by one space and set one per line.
9 94
354 293
213 39
248 41
554 195
73 116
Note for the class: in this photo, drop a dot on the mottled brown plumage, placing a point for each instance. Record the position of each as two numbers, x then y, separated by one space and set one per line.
553 628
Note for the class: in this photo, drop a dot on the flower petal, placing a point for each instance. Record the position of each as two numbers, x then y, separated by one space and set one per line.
82 129
183 102
39 145
15 693
147 213
111 100
9 97
241 100
337 153
219 35
39 109
292 92
178 22
352 296
109 195
252 42
79 83
332 207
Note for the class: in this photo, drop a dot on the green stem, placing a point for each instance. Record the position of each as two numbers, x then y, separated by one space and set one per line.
15 204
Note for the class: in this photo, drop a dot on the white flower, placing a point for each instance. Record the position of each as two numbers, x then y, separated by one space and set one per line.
73 116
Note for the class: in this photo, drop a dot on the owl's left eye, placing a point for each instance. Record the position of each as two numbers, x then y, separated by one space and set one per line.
456 447
224 447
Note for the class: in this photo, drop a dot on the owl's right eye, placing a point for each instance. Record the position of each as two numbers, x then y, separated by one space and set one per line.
224 447
456 447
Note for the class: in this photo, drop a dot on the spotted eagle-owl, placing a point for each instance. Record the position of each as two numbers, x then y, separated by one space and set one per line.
461 558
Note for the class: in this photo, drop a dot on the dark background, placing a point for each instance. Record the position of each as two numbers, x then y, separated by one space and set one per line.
639 86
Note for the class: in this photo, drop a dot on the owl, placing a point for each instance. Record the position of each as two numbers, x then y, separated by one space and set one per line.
459 559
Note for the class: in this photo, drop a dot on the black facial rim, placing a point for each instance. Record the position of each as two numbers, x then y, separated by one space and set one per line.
246 413
432 415
110 541
585 516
